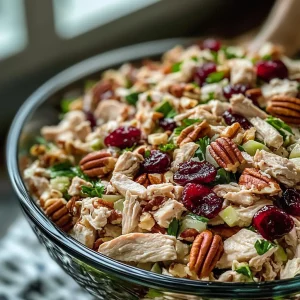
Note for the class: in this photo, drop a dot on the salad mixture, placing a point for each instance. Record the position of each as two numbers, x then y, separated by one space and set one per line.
188 166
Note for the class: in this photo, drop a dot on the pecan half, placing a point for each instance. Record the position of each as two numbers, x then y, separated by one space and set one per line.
254 94
57 211
97 164
205 253
189 234
286 108
193 132
148 179
226 154
143 180
224 231
252 178
232 131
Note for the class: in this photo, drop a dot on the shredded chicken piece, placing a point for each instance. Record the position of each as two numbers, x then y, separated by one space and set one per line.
183 154
241 71
162 189
245 107
131 213
271 136
291 269
282 87
75 187
141 248
84 234
123 184
282 169
170 209
240 247
128 164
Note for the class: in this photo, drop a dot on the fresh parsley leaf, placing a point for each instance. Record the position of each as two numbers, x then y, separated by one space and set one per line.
241 148
215 56
40 140
149 99
185 123
251 228
245 270
165 108
224 177
78 172
228 54
203 143
171 114
267 57
194 58
173 227
152 294
176 67
96 190
198 218
65 105
263 246
167 147
215 77
62 169
132 98
147 153
280 126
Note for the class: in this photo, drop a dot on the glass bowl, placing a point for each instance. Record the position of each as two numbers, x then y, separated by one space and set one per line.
103 277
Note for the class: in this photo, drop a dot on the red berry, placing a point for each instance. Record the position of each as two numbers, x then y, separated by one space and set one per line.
157 162
123 137
211 44
167 124
202 72
201 200
195 172
231 118
230 90
272 223
290 202
267 70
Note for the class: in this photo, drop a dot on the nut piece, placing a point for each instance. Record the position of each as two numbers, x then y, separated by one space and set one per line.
224 231
253 179
157 138
205 253
148 179
189 234
56 210
234 132
226 154
97 164
193 132
286 108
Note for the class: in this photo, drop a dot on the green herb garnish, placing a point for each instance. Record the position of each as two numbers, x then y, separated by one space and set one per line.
224 177
215 56
194 58
201 151
280 126
171 114
245 270
40 140
149 99
128 149
215 77
185 123
65 105
167 147
263 246
228 54
132 98
62 169
241 148
96 190
165 108
176 67
147 153
198 218
173 227
251 228
267 57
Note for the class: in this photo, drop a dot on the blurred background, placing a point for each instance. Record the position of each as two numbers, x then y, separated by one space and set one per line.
40 38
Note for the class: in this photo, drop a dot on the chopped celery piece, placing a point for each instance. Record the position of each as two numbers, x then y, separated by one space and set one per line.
60 183
156 268
119 205
295 153
229 215
251 147
97 144
280 254
112 198
188 222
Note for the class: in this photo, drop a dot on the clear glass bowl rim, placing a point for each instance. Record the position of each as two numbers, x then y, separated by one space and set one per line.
98 261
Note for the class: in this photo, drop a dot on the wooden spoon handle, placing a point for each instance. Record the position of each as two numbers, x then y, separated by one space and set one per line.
281 27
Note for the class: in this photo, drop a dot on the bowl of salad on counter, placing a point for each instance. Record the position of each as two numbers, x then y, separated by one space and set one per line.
167 170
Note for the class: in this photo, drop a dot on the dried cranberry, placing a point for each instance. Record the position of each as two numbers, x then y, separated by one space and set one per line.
157 162
290 202
201 200
167 124
123 137
267 70
195 172
231 118
272 223
230 90
211 44
202 72
91 118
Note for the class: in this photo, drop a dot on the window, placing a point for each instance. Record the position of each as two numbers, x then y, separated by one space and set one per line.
13 34
74 17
